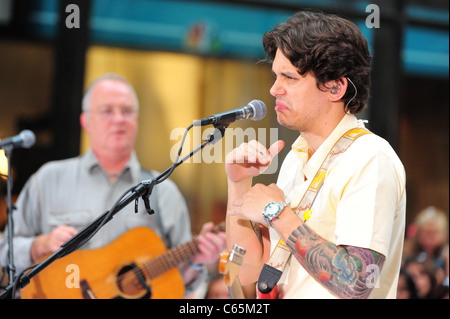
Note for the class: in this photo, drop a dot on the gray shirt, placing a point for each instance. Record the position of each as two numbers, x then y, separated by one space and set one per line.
76 191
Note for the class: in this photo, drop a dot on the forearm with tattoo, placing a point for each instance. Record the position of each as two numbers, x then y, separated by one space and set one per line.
347 271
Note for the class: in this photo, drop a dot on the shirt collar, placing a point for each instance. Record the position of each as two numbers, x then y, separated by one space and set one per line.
132 168
300 146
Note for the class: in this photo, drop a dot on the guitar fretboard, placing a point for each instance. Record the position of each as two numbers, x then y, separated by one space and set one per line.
175 256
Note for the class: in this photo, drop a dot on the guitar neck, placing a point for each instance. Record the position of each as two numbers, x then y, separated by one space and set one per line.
175 256
229 265
235 290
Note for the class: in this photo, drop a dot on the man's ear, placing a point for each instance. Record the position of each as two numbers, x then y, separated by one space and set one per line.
337 89
84 121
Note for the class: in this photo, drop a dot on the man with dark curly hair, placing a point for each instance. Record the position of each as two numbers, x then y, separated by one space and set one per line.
333 225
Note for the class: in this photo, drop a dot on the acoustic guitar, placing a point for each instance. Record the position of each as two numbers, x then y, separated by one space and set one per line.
229 265
137 265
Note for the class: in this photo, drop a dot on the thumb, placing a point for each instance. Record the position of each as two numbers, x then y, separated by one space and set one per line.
276 148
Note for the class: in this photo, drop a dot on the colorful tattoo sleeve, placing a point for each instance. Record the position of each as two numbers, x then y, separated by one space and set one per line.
347 271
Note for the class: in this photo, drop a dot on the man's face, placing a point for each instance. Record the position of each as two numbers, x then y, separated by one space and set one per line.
299 103
112 119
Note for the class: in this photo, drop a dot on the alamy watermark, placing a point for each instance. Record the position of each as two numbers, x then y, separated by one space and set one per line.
373 19
373 279
216 153
73 279
73 17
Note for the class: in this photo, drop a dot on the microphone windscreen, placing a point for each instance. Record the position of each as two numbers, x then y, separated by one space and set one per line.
259 110
28 138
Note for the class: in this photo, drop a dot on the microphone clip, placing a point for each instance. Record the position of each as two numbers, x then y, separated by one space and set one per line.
219 132
145 195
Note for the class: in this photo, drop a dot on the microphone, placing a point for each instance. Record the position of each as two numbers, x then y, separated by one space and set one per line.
25 139
255 110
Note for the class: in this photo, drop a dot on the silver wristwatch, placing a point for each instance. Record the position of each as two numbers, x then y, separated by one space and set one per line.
272 210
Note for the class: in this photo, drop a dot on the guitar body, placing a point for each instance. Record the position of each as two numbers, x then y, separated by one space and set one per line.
113 271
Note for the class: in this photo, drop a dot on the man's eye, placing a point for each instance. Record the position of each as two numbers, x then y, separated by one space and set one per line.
291 77
127 111
106 111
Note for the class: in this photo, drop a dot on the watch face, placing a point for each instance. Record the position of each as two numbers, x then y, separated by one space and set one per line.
272 209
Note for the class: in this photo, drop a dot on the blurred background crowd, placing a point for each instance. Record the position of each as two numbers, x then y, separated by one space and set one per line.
424 273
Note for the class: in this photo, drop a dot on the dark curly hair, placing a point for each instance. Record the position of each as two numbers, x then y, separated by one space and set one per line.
327 45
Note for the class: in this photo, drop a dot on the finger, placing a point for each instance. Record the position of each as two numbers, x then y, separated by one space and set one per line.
63 237
205 243
265 156
238 155
250 152
219 241
232 156
66 230
216 241
276 148
208 248
260 152
207 227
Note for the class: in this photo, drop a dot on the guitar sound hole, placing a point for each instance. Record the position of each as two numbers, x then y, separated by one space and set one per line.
132 284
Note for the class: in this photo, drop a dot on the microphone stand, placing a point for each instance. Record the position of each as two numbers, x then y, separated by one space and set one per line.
9 211
143 190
